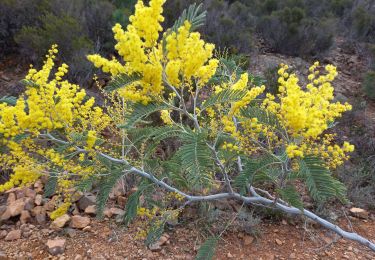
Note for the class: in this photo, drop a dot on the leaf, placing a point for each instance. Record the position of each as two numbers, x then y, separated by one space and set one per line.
290 195
155 232
140 111
225 96
132 204
195 158
194 14
207 249
10 100
51 185
85 184
263 116
250 169
121 81
106 185
320 182
18 138
29 83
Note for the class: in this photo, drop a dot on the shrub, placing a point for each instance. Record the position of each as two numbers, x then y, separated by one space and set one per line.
368 84
230 141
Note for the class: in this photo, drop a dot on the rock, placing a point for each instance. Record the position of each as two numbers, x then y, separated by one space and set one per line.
107 213
91 210
13 235
292 256
25 216
248 240
117 211
56 246
38 200
162 241
60 222
78 257
38 210
50 205
87 229
121 201
3 208
30 193
155 247
29 204
70 232
79 222
3 256
3 234
11 198
278 241
359 213
229 255
86 200
40 218
14 208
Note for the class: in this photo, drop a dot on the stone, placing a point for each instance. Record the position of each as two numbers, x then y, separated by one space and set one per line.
91 210
38 200
11 198
86 200
70 232
292 256
278 241
38 210
3 208
79 222
29 203
60 222
117 211
3 256
13 235
3 234
87 229
14 208
40 218
121 201
107 213
359 213
30 193
248 240
25 216
56 246
50 205
78 257
229 255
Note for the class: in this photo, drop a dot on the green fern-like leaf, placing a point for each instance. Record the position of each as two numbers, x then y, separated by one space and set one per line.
10 100
132 204
29 83
225 96
207 249
290 195
155 232
140 111
252 168
121 81
195 158
319 181
106 184
194 14
263 116
51 185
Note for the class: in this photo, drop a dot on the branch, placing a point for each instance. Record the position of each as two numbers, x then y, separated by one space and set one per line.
254 199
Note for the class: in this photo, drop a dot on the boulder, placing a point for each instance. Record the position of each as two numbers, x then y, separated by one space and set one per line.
91 210
359 213
25 216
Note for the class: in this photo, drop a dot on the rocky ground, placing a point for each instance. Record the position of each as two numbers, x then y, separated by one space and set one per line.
27 233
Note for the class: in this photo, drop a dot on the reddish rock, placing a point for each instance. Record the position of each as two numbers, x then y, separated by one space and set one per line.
38 199
359 213
30 193
79 222
91 210
60 222
117 211
13 235
11 198
25 216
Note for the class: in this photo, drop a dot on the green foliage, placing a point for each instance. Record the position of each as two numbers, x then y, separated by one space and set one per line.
225 96
10 100
207 249
141 111
122 81
319 181
195 159
291 195
132 204
368 84
51 185
155 232
194 14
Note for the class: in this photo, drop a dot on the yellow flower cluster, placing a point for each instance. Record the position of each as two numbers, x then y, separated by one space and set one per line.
48 104
184 57
166 117
306 113
189 56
